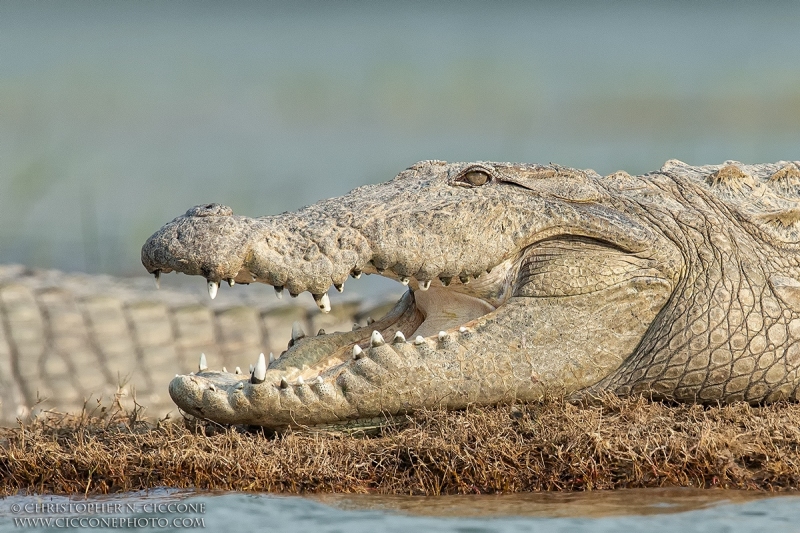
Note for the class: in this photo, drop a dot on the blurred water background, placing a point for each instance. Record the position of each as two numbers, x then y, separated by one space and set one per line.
115 117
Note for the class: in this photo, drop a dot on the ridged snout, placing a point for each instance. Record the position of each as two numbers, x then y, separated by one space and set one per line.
208 241
216 396
187 394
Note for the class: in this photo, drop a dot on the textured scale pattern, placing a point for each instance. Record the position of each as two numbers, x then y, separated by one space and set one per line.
681 284
68 338
732 331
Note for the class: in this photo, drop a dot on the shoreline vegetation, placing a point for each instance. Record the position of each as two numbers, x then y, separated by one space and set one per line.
547 445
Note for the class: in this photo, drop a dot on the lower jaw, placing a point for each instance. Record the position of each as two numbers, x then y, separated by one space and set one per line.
308 357
417 313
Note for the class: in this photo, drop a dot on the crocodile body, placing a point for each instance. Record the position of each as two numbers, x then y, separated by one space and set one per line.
681 284
66 339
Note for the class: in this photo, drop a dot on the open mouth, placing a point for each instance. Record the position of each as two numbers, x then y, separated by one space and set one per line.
425 313
500 300
553 313
528 322
319 369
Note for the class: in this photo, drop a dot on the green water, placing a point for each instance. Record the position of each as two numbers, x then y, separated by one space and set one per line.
116 117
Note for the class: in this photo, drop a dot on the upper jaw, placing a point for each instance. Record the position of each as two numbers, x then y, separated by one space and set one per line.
208 241
300 252
376 229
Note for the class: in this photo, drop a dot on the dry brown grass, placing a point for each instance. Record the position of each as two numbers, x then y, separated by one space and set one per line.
540 446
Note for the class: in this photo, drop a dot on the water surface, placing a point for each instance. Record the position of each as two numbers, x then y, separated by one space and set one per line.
647 510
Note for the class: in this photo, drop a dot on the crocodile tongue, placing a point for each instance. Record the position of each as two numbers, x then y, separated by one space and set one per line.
446 309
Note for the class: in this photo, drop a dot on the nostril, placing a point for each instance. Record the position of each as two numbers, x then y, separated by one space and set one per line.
210 210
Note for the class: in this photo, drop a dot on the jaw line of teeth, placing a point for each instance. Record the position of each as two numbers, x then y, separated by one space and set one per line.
259 371
323 300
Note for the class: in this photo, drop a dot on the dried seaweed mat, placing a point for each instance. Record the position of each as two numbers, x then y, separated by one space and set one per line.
549 445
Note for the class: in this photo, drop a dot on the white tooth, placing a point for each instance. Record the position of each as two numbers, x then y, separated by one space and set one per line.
398 338
212 387
425 285
260 370
357 351
356 274
213 286
404 281
339 286
284 382
297 331
318 380
324 303
300 380
462 329
240 385
231 282
419 340
376 339
271 357
157 275
176 375
279 292
224 369
237 371
355 327
442 335
251 369
203 364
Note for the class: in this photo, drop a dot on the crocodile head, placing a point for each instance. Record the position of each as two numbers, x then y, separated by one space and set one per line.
520 278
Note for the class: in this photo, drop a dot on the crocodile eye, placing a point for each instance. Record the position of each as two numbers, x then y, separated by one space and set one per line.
476 178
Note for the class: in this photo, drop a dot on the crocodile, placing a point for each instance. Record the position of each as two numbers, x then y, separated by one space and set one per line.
68 340
682 284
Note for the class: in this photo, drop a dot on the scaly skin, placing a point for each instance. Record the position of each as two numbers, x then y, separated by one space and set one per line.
67 339
682 284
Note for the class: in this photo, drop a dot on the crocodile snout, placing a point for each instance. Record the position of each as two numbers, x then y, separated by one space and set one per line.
210 210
